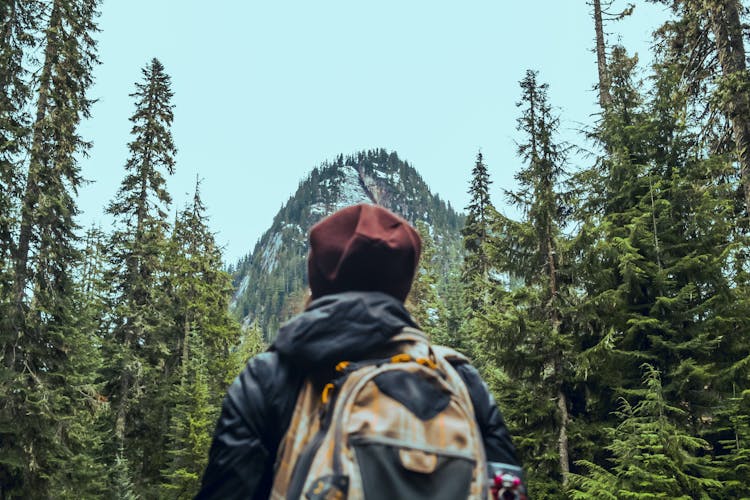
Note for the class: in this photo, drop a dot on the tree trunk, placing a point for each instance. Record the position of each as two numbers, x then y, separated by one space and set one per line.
601 57
37 164
562 440
137 299
727 29
185 349
8 352
562 401
122 408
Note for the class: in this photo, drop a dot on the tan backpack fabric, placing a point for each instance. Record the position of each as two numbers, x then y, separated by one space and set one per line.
400 426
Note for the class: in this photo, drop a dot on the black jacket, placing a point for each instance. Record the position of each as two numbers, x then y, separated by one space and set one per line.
259 404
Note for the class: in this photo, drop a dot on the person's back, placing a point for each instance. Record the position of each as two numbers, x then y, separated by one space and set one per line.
361 265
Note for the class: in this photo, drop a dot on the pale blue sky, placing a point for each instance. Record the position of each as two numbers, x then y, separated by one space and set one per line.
265 91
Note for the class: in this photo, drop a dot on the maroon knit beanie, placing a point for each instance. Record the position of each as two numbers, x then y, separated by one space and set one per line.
363 248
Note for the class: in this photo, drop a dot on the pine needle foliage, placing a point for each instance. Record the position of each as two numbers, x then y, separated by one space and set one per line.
424 303
528 333
652 454
138 343
47 376
203 333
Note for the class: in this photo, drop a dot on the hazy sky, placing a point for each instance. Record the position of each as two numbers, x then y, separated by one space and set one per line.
265 91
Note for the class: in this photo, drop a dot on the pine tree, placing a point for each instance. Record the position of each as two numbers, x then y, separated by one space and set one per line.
476 229
474 297
657 266
652 456
44 354
529 333
138 349
251 343
47 210
606 198
735 462
192 419
601 55
204 334
426 306
122 484
18 22
83 472
200 290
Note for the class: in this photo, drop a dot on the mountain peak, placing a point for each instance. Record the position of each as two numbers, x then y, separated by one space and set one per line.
271 282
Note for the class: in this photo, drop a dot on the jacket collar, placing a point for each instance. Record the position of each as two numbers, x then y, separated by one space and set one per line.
343 326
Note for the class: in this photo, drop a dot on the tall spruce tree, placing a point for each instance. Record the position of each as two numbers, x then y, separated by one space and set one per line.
44 354
607 191
46 226
475 269
18 23
657 266
529 334
476 229
204 334
138 348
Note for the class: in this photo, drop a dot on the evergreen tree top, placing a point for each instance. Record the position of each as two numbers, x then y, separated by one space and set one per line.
152 149
479 190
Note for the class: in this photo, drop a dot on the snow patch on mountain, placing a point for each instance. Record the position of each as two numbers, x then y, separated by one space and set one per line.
294 232
268 259
318 209
350 188
240 290
393 178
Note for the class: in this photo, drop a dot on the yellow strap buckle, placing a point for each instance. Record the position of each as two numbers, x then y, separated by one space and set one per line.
326 395
342 366
427 362
401 358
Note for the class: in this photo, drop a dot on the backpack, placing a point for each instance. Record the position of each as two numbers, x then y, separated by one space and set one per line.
399 426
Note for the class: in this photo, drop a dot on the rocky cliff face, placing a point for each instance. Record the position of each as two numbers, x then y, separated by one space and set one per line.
271 283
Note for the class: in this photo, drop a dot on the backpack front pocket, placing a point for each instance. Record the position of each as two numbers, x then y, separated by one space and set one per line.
390 471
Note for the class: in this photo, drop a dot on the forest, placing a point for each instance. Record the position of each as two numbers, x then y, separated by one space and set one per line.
609 317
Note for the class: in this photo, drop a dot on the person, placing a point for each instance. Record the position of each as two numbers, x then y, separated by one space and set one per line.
361 265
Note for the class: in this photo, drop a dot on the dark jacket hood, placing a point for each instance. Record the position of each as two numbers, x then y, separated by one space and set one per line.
338 327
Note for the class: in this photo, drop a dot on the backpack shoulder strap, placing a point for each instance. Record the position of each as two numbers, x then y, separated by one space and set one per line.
303 425
450 355
410 334
446 359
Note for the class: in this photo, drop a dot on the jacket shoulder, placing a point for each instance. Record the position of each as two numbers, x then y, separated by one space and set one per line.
264 394
254 416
